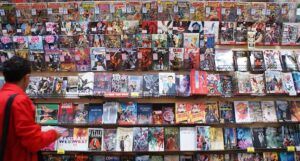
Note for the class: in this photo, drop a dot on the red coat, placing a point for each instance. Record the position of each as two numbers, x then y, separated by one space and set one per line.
25 137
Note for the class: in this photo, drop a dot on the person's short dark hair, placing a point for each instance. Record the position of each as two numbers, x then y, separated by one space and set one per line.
16 68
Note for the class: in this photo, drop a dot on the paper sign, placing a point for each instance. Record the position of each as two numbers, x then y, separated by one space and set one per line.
250 150
60 151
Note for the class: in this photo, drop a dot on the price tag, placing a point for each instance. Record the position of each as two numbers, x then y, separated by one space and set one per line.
61 10
62 58
97 10
239 28
144 10
239 11
3 58
128 8
107 57
63 29
223 11
207 10
77 57
112 8
160 8
144 31
250 150
81 11
298 12
49 11
192 9
109 29
175 8
155 57
33 11
65 11
60 151
33 30
285 29
123 9
171 57
18 13
124 56
2 12
47 59
19 30
264 12
4 31
223 28
283 11
291 148
140 55
268 28
94 29
253 11
78 29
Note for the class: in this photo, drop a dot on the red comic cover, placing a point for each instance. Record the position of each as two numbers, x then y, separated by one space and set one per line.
145 58
65 113
192 58
53 11
149 27
198 82
182 112
39 12
70 11
213 11
82 57
133 10
260 30
214 85
23 13
197 114
197 11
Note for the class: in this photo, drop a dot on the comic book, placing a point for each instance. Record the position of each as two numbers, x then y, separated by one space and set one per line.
133 10
54 14
50 42
50 147
197 12
52 28
168 113
271 156
258 11
67 60
65 113
198 82
181 27
207 61
10 29
135 85
226 112
176 58
182 112
272 60
288 84
35 42
97 27
172 140
149 27
242 112
19 42
244 138
212 28
81 114
119 84
191 40
145 58
144 114
59 86
45 86
226 85
290 34
160 59
296 78
257 61
288 12
8 13
259 28
102 83
82 58
112 41
167 84
224 60
140 139
143 40
86 11
47 114
165 10
72 87
268 111
113 59
295 108
156 139
102 11
95 113
191 58
289 60
110 110
272 34
127 113
159 40
255 111
181 11
5 55
229 11
150 85
213 11
66 141
228 32
6 43
85 84
118 10
289 135
188 135
283 110
243 83
203 138
67 42
230 141
96 40
95 139
81 138
259 138
164 27
98 59
114 28
23 12
273 137
39 12
183 87
241 32
53 60
216 138
274 82
197 113
149 10
37 59
257 84
211 112
130 27
196 27
81 41
142 158
287 156
214 85
273 13
157 115
129 41
109 140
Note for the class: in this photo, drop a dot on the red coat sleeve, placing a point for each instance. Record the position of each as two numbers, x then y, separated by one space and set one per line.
27 130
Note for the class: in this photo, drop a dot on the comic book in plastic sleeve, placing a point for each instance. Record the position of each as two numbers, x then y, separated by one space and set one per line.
255 111
216 138
156 139
23 12
258 11
67 60
160 59
98 59
272 60
35 42
283 110
118 10
227 85
102 83
191 58
144 114
65 113
167 84
38 29
257 61
10 29
96 40
97 27
213 11
39 12
8 13
134 10
165 10
129 41
181 27
290 33
143 40
230 141
181 11
82 58
289 60
241 59
129 59
241 32
257 84
37 59
130 26
183 87
168 113
70 11
182 112
86 11
187 139
172 139
274 82
260 31
197 11
164 27
127 113
268 111
110 112
228 32
6 43
85 84
148 27
226 112
224 60
124 139
145 58
68 28
80 138
140 139
288 12
259 138
112 41
197 114
53 60
273 12
159 40
175 40
214 85
191 40
211 112
198 82
272 35
109 139
149 10
244 12
244 138
81 41
212 28
135 85
113 59
20 42
288 84
47 114
203 138
242 112
102 11
295 108
176 58
52 28
273 137
95 139
150 85
243 84
229 11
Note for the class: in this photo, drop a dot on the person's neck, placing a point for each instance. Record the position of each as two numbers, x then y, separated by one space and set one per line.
19 84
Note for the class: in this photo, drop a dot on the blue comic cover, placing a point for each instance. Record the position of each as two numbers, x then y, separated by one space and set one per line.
140 139
95 113
296 77
127 113
144 114
244 138
287 156
230 138
35 42
6 42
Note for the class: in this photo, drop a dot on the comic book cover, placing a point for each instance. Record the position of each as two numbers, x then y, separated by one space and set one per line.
257 84
45 86
95 139
5 55
60 86
53 60
66 141
81 113
23 12
289 135
273 137
202 157
109 140
289 60
187 138
39 12
127 113
230 141
172 139
8 13
224 60
216 138
68 28
95 113
21 53
140 139
50 42
244 138
38 29
228 32
118 10
81 138
241 32
144 114
149 10
37 59
86 84
168 113
97 27
229 11
226 112
81 41
181 11
213 11
260 31
66 42
135 85
226 85
53 28
295 108
203 138
70 11
181 27
143 40
242 112
160 59
191 40
198 82
271 156
283 111
259 138
287 156
129 58
159 40
296 78
20 42
214 86
130 41
119 84
272 60
10 30
156 139
114 28
207 61
82 57
274 82
133 10
182 112
167 84
288 84
165 10
288 12
98 59
50 147
149 27
197 12
273 13
65 113
176 58
67 59
96 40
102 83
130 27
196 27
164 27
272 34
183 87
255 111
47 113
54 14
81 28
197 113
157 115
72 88
33 86
112 41
258 11
211 112
290 34
110 112
150 85
86 11
268 111
102 11
171 158
257 61
35 42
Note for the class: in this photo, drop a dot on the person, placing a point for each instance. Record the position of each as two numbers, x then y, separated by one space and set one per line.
24 136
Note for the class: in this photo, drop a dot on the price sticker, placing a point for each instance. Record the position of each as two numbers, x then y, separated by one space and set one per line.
239 11
77 57
134 94
128 8
63 29
61 58
18 13
298 12
65 11
123 9
112 8
4 31
250 150
283 11
19 30
192 9
223 11
144 31
155 57
207 10
2 12
49 11
140 55
291 148
81 11
253 11
60 151
94 29
124 56
33 30
107 56
160 8
61 10
33 11
97 10
78 29
144 10
175 8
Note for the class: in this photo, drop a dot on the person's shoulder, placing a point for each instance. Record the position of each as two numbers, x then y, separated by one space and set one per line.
21 98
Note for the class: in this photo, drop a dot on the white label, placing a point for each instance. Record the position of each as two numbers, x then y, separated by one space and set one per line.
160 8
192 10
2 12
78 29
128 8
207 10
239 28
253 11
124 56
285 29
268 28
33 11
123 9
144 31
49 11
33 30
223 28
62 58
298 12
264 11
4 31
63 29
18 13
176 8
109 28
112 8
81 11
19 30
77 57
144 10
97 10
155 57
61 10
65 11
283 11
107 57
223 11
140 55
239 11
94 29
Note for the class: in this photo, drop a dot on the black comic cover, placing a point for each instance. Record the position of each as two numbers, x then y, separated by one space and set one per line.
151 85
113 59
51 42
226 112
112 41
241 60
145 58
6 42
229 11
227 85
129 59
128 41
97 27
283 111
45 86
180 26
259 138
228 32
37 59
8 13
96 40
241 32
160 59
53 60
207 59
257 61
